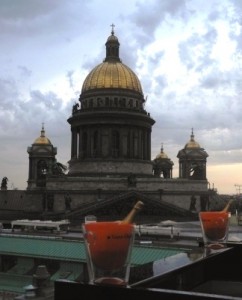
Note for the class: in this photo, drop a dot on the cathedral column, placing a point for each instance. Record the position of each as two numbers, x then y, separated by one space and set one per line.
139 144
180 169
131 144
89 142
147 143
99 143
80 155
30 169
205 171
74 143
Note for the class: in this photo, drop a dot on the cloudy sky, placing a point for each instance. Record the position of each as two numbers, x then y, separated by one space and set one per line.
186 53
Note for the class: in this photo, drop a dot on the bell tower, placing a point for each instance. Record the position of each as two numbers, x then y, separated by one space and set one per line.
192 161
162 165
41 159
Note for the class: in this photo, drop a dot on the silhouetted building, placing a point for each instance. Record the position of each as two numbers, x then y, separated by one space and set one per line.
162 165
110 164
192 161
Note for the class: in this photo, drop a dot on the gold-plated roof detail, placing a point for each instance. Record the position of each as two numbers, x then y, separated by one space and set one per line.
112 38
192 143
42 139
162 154
112 75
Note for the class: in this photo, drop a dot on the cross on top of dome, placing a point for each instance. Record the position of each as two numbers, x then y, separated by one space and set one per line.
112 32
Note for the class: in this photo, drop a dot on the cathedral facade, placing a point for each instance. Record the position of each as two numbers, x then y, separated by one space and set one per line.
110 164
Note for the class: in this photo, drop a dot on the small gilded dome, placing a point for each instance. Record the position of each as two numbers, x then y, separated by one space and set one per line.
112 73
192 143
42 139
162 154
112 38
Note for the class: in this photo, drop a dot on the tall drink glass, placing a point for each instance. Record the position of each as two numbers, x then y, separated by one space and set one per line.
215 228
108 247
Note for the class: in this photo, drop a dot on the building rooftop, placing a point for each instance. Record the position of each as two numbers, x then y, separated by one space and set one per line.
58 248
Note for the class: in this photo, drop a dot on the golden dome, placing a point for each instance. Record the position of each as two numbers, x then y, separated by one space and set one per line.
192 143
162 154
42 139
112 73
112 38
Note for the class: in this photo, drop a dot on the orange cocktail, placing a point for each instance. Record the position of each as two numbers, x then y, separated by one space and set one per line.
108 247
214 226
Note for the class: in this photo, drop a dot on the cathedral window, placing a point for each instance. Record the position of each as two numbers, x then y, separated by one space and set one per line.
42 169
130 103
107 101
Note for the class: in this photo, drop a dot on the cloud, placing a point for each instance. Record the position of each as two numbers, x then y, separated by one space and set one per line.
195 51
26 10
187 55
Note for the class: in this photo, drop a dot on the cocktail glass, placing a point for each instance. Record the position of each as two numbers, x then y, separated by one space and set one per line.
108 247
215 228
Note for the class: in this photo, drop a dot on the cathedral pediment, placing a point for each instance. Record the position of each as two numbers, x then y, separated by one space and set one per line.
116 208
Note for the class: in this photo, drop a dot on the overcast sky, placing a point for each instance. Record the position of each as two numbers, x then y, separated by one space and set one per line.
186 53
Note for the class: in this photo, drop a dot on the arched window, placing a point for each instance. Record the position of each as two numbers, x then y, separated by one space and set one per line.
42 170
115 144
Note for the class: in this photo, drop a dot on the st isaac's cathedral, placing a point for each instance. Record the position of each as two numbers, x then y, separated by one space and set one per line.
110 167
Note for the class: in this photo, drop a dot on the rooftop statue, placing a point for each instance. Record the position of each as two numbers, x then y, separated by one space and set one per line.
4 183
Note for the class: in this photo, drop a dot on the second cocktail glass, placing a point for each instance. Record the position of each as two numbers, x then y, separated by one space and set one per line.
215 227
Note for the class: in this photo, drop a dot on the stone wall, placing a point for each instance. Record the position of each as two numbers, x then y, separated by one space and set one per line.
85 190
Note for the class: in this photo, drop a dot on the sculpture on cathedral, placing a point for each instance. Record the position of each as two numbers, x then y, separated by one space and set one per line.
68 201
75 107
58 168
132 179
193 204
197 171
4 183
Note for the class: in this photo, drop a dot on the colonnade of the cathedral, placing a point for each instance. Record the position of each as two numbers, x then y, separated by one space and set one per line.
111 143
